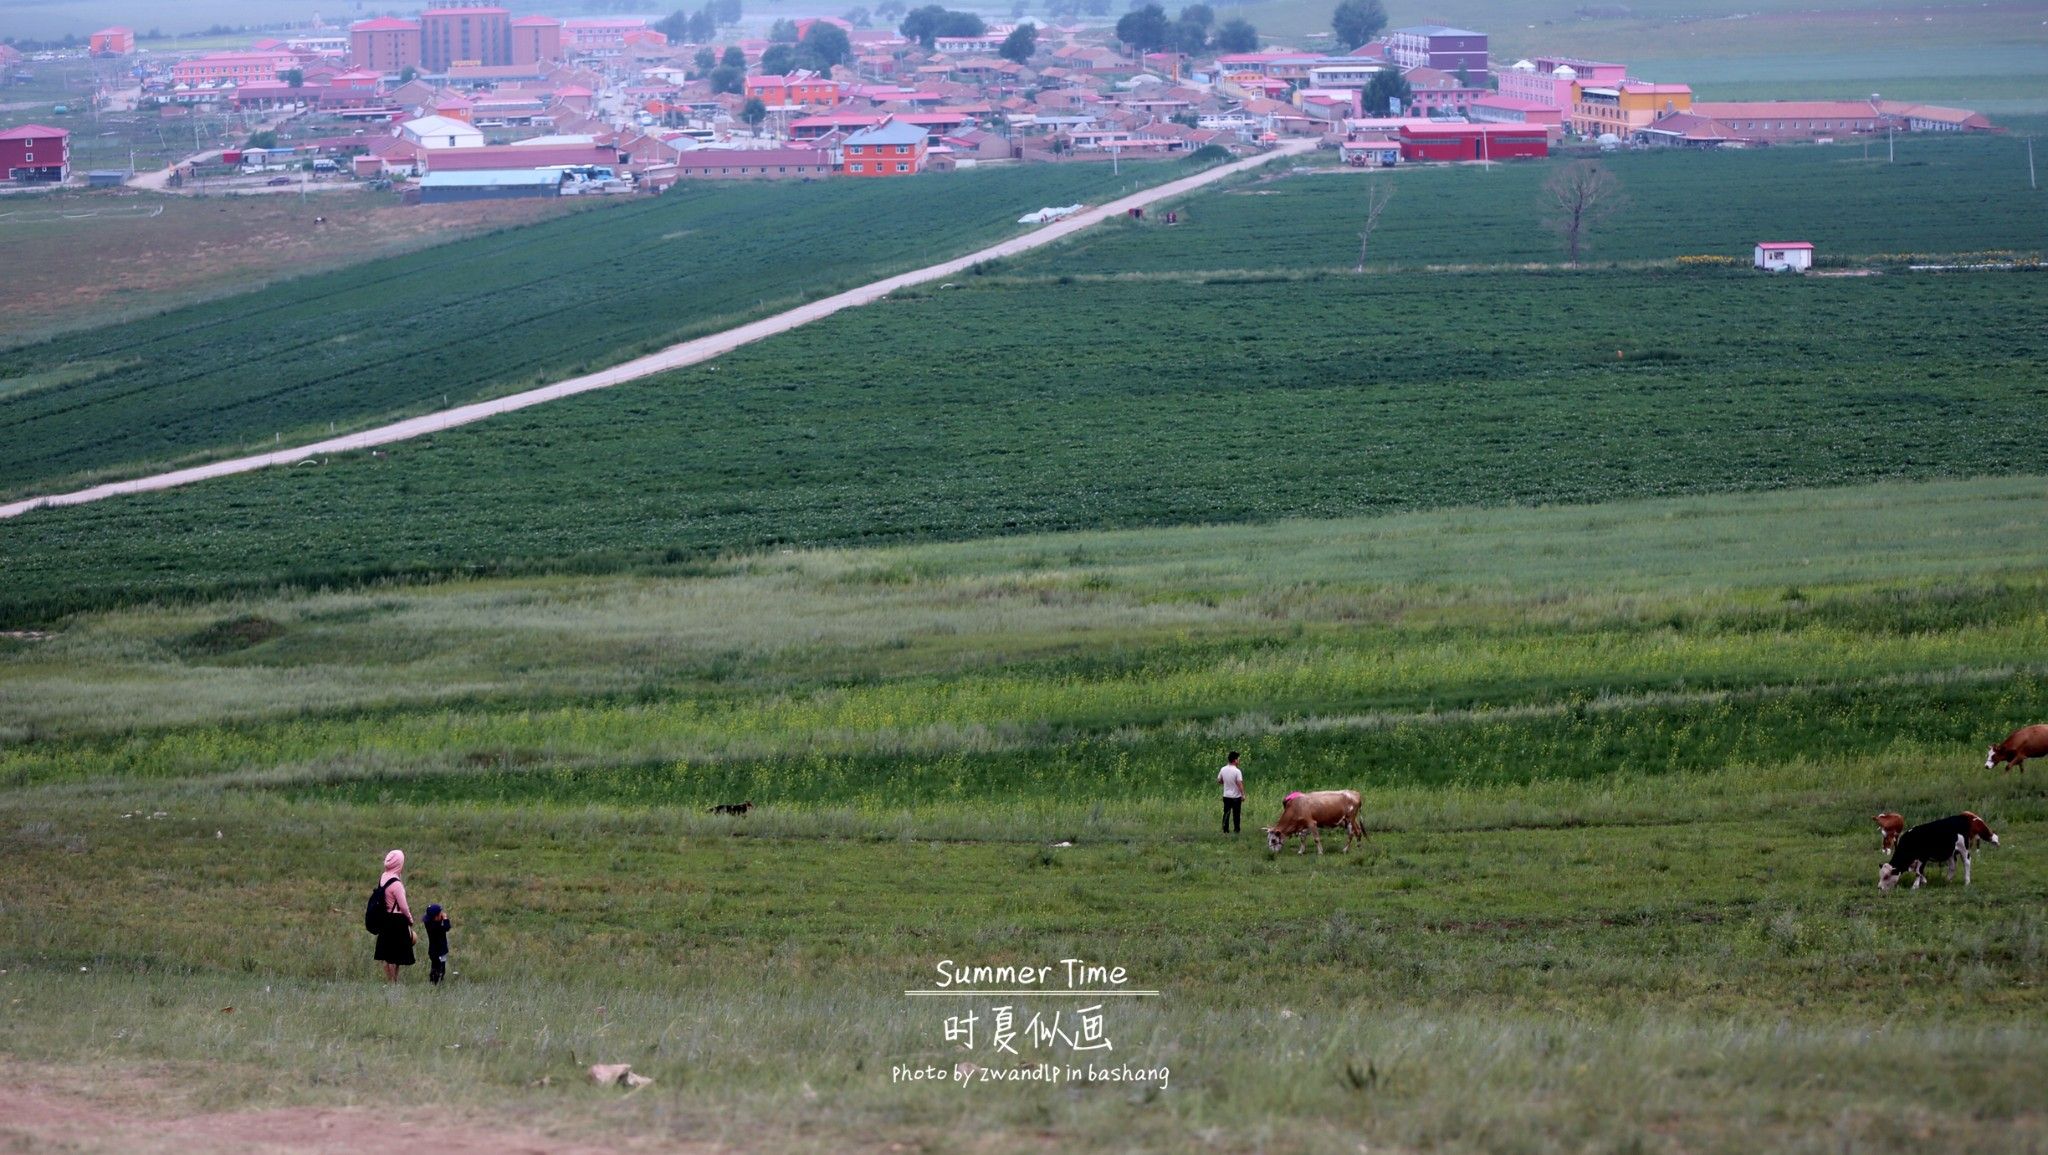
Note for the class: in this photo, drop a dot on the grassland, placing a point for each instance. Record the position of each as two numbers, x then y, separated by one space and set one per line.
1618 761
1122 402
488 315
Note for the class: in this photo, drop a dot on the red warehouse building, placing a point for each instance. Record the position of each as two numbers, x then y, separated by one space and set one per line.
1451 142
35 153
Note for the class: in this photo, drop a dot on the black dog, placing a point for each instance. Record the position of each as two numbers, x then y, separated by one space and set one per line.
731 808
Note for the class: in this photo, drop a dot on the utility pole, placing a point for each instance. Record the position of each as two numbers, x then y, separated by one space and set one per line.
1891 155
2030 164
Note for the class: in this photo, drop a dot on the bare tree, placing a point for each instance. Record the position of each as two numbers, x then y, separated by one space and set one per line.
1378 193
1577 198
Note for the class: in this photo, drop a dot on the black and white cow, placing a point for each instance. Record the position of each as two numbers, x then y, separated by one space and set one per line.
1935 843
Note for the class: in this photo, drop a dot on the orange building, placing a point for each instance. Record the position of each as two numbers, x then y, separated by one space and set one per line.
1626 108
464 36
536 39
891 148
797 90
385 45
114 41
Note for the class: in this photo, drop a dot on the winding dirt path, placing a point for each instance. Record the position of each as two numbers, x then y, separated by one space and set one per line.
674 357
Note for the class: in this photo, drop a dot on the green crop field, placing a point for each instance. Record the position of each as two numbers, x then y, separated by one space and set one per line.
1618 762
1938 196
1111 402
486 316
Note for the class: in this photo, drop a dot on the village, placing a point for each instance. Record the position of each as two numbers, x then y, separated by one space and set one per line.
470 102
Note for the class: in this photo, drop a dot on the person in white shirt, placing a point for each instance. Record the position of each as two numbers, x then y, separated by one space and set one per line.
1233 794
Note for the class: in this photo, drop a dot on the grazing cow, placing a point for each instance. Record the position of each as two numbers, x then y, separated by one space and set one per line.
1308 813
2020 745
1941 841
732 807
1891 825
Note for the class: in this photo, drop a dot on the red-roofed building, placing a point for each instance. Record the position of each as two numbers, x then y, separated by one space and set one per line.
1511 110
1785 121
536 38
754 164
1777 256
116 41
796 90
232 67
1426 140
464 36
386 45
599 35
512 156
1626 108
35 152
814 127
887 149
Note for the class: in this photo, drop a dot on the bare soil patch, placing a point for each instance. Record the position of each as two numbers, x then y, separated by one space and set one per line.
68 1110
87 259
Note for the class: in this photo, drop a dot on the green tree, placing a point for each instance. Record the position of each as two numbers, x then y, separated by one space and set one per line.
725 11
1145 29
782 32
733 57
408 74
726 78
778 60
295 78
1021 44
925 25
1199 15
264 140
1356 22
754 112
824 45
1236 36
859 17
1187 38
675 26
705 60
1386 86
703 25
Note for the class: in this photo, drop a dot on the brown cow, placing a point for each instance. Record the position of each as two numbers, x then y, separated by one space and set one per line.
2020 745
1309 813
1892 824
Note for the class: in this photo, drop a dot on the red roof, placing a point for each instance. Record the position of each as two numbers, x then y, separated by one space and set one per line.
536 22
385 24
752 157
33 132
1433 128
1783 245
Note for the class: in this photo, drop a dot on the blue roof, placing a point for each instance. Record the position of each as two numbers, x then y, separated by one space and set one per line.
894 132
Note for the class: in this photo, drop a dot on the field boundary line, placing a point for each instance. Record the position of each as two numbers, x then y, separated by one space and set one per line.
677 356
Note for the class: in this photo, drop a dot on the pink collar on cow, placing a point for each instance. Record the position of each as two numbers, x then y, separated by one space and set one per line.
1291 797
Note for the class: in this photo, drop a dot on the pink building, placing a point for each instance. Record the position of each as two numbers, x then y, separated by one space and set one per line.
1513 110
1548 80
232 67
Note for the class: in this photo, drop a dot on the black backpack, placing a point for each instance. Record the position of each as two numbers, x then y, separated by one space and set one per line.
375 914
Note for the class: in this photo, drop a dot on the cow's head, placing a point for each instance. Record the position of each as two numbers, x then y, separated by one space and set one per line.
1991 757
1888 876
1275 840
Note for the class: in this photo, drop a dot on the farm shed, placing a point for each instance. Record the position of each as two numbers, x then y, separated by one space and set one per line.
489 184
105 178
1428 141
35 152
1778 256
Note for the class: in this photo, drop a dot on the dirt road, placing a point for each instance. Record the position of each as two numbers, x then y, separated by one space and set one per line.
674 357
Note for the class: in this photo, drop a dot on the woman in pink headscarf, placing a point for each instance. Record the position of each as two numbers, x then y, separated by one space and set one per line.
395 941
